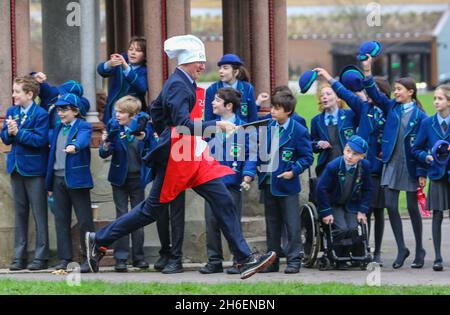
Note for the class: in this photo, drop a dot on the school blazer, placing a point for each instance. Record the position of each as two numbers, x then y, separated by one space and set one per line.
118 148
239 152
429 133
371 124
247 111
347 122
77 173
392 111
134 84
29 151
294 153
330 186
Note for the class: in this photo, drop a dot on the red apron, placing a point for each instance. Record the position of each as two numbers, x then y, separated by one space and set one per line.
190 164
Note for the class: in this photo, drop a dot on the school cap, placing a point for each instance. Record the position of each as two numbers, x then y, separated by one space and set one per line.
186 48
71 86
69 99
352 78
358 144
440 152
306 80
373 48
230 59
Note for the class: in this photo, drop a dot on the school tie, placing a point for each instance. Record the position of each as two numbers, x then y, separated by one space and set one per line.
444 126
351 170
280 130
66 129
330 120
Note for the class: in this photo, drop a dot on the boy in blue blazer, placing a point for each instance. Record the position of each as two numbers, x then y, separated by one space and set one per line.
237 151
26 130
69 178
344 193
128 175
127 75
279 178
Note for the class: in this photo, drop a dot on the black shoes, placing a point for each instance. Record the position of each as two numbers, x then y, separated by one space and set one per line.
233 270
121 265
292 269
161 262
84 268
398 263
377 259
173 267
62 265
94 254
141 264
37 265
211 268
256 263
18 264
438 266
419 260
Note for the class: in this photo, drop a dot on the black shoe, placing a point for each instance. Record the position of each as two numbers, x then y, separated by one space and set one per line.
211 268
398 263
438 266
161 263
256 263
121 265
94 254
275 267
173 267
84 268
62 265
233 270
377 259
419 260
141 264
18 264
292 269
37 265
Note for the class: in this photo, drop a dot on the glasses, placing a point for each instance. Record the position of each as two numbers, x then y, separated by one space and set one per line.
63 108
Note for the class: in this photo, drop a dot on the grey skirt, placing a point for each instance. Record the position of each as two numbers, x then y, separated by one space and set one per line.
439 194
396 176
378 193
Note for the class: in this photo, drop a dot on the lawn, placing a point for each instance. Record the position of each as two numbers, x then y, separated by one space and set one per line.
13 287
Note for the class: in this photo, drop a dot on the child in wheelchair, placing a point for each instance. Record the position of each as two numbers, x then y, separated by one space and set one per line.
343 195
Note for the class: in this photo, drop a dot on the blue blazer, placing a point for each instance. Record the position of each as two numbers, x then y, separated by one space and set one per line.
347 122
247 112
429 133
77 170
294 116
48 95
392 110
119 163
172 108
239 153
371 124
29 152
330 186
135 84
294 154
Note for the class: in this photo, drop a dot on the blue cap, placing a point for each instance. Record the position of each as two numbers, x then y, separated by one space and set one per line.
440 152
372 48
71 86
358 144
68 99
352 78
306 80
84 107
230 59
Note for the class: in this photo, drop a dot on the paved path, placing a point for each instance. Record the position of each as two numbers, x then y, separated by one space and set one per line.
388 276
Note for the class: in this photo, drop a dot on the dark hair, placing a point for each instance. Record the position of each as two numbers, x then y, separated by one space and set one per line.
384 86
284 99
29 84
281 88
410 84
230 95
243 74
141 43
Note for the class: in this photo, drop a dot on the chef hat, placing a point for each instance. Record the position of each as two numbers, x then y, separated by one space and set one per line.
187 48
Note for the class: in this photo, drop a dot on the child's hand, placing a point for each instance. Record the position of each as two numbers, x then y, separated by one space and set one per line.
262 98
40 77
70 149
114 61
248 179
245 185
323 73
104 135
422 181
430 158
361 217
324 145
328 219
367 65
141 136
286 175
226 126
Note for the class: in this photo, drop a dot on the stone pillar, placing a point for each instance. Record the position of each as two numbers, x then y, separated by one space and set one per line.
61 41
280 43
110 29
5 59
230 18
139 17
122 22
178 22
23 37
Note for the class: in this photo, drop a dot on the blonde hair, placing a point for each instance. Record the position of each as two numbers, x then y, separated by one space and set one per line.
129 104
341 103
446 89
28 84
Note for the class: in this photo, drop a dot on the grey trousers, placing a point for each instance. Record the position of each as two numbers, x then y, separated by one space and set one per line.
29 191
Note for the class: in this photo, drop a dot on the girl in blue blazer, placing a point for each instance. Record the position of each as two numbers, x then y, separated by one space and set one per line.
127 75
233 74
331 129
371 125
433 129
404 116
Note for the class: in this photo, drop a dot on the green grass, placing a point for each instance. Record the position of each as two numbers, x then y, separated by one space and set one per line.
308 108
13 287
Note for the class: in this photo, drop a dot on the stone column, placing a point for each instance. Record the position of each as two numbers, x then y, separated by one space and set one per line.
122 22
177 22
61 40
5 58
139 16
110 29
23 37
280 43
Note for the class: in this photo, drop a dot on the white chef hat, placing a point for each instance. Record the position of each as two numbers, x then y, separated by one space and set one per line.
187 48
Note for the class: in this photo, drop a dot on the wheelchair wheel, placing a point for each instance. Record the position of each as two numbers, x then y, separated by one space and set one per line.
310 234
324 263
